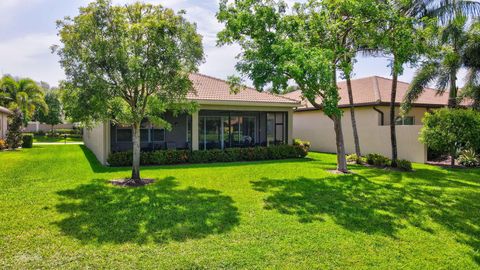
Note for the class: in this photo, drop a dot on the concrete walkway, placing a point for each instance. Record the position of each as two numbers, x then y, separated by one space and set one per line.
58 143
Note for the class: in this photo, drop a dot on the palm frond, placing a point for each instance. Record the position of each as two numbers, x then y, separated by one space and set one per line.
423 77
447 10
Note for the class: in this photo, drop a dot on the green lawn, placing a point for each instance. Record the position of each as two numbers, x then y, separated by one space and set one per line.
46 139
57 211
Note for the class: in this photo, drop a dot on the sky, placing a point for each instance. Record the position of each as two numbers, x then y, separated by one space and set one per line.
28 30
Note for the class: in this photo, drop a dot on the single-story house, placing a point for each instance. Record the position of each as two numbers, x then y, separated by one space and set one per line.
4 113
371 98
223 120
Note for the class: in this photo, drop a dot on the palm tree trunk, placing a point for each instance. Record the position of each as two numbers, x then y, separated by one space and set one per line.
393 133
356 140
136 153
452 97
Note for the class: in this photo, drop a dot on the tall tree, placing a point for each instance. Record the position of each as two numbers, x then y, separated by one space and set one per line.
471 61
402 39
24 94
442 66
303 44
54 115
129 62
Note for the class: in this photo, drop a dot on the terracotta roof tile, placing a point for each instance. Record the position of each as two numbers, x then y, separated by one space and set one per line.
212 89
377 90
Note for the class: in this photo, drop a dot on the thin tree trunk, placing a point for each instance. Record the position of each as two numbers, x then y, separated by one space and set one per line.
136 152
341 159
452 97
337 124
453 153
393 133
356 140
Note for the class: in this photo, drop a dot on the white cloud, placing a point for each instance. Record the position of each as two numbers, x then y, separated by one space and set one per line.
29 56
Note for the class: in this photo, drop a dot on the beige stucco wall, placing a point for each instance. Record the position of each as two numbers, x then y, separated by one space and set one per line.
97 140
3 125
317 128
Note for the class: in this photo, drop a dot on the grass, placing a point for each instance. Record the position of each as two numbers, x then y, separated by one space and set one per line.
57 211
47 139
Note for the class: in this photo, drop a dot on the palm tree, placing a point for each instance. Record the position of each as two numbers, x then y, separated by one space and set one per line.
24 94
443 67
471 60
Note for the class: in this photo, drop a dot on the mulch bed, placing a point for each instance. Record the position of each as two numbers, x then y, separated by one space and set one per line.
128 182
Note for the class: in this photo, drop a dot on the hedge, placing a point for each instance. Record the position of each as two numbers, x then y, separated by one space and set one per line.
169 157
27 140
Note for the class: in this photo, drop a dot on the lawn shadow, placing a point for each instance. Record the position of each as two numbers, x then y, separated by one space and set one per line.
358 204
160 213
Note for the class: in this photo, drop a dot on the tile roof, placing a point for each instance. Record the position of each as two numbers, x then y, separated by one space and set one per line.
377 91
207 88
5 110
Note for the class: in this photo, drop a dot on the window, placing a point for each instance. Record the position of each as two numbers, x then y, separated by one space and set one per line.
405 121
158 135
276 128
144 135
124 135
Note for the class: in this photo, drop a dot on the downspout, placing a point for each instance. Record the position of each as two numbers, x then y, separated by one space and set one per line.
382 115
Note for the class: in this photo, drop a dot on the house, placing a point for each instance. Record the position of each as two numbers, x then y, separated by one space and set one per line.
223 120
4 113
372 112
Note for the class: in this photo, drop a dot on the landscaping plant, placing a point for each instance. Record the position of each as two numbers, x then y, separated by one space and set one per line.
14 130
129 62
468 158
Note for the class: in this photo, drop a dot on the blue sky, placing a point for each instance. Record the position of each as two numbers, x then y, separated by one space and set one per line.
27 30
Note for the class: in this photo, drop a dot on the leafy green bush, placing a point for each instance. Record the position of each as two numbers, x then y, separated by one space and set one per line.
168 157
451 130
298 142
468 158
378 160
27 140
354 158
404 165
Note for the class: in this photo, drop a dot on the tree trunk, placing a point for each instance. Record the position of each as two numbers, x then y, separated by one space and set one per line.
453 153
452 97
352 115
393 133
136 152
341 159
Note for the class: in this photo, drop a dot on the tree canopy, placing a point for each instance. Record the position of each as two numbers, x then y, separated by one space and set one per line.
128 63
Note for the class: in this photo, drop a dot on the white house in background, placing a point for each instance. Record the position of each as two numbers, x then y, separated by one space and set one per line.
371 100
4 113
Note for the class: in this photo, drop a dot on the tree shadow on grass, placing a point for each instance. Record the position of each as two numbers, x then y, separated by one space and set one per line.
161 212
357 204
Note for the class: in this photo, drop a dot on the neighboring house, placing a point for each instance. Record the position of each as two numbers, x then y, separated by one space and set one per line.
224 120
4 113
371 100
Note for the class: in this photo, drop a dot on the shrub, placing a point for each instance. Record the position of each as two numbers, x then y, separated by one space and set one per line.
468 158
404 165
164 157
378 160
298 142
355 159
14 133
448 130
27 141
3 144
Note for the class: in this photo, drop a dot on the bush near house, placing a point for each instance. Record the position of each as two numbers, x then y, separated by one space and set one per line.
169 157
27 141
382 161
354 158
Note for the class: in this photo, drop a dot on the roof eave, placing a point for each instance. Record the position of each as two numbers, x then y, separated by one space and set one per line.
246 103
